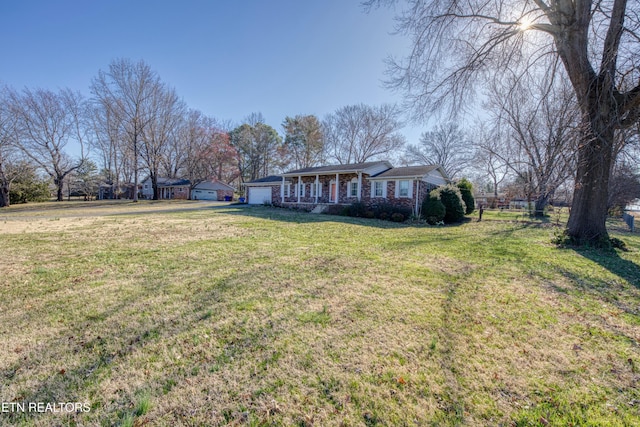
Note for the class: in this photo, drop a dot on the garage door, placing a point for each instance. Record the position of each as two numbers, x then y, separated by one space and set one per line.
204 195
259 196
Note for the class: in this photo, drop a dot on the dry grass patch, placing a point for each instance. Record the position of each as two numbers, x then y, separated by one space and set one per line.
38 225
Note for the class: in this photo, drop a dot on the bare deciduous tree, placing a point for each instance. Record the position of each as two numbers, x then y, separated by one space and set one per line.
491 157
359 133
446 145
542 120
47 123
165 111
8 143
221 157
127 92
109 143
203 151
624 186
456 44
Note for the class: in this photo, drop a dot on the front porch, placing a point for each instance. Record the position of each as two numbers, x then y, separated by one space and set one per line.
322 189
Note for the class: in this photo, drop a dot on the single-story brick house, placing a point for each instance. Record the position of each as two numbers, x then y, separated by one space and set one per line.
168 188
212 190
371 183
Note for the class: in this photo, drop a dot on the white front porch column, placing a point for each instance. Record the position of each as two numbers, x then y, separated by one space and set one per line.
417 195
337 188
299 187
282 191
317 187
359 186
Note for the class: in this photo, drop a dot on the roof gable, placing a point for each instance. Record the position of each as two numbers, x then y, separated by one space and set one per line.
168 182
213 185
406 171
433 174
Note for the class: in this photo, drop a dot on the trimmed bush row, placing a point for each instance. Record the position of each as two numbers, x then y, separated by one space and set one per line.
448 204
384 211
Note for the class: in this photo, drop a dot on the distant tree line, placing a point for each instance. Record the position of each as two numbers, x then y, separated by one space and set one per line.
134 125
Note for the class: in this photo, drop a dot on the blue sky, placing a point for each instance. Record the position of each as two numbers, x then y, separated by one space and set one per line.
227 58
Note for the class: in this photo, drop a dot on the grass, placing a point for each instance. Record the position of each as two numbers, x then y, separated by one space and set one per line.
179 314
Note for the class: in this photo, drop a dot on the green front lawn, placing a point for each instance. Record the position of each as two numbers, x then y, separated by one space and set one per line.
264 316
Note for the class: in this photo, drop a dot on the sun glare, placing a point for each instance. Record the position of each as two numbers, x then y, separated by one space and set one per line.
525 23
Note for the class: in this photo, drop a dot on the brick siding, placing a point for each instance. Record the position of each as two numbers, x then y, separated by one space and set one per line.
308 202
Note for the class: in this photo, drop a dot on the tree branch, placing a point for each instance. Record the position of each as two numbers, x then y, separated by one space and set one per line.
612 40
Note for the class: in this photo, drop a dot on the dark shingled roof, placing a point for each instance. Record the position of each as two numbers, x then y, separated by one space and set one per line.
336 168
407 171
172 182
270 178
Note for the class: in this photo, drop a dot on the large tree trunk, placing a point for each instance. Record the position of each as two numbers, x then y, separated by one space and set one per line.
135 166
587 222
540 205
4 189
154 186
4 196
596 94
59 182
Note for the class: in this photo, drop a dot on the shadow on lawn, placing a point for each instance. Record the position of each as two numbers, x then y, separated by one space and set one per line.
613 292
611 261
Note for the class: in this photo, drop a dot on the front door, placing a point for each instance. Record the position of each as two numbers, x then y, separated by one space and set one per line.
332 192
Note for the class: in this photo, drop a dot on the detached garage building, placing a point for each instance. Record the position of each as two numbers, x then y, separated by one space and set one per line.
212 190
261 191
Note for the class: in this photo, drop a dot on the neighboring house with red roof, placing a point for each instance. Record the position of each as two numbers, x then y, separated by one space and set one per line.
371 183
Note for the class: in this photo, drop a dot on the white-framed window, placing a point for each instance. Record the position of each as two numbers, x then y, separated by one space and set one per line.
353 188
404 188
301 189
378 188
287 190
316 189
